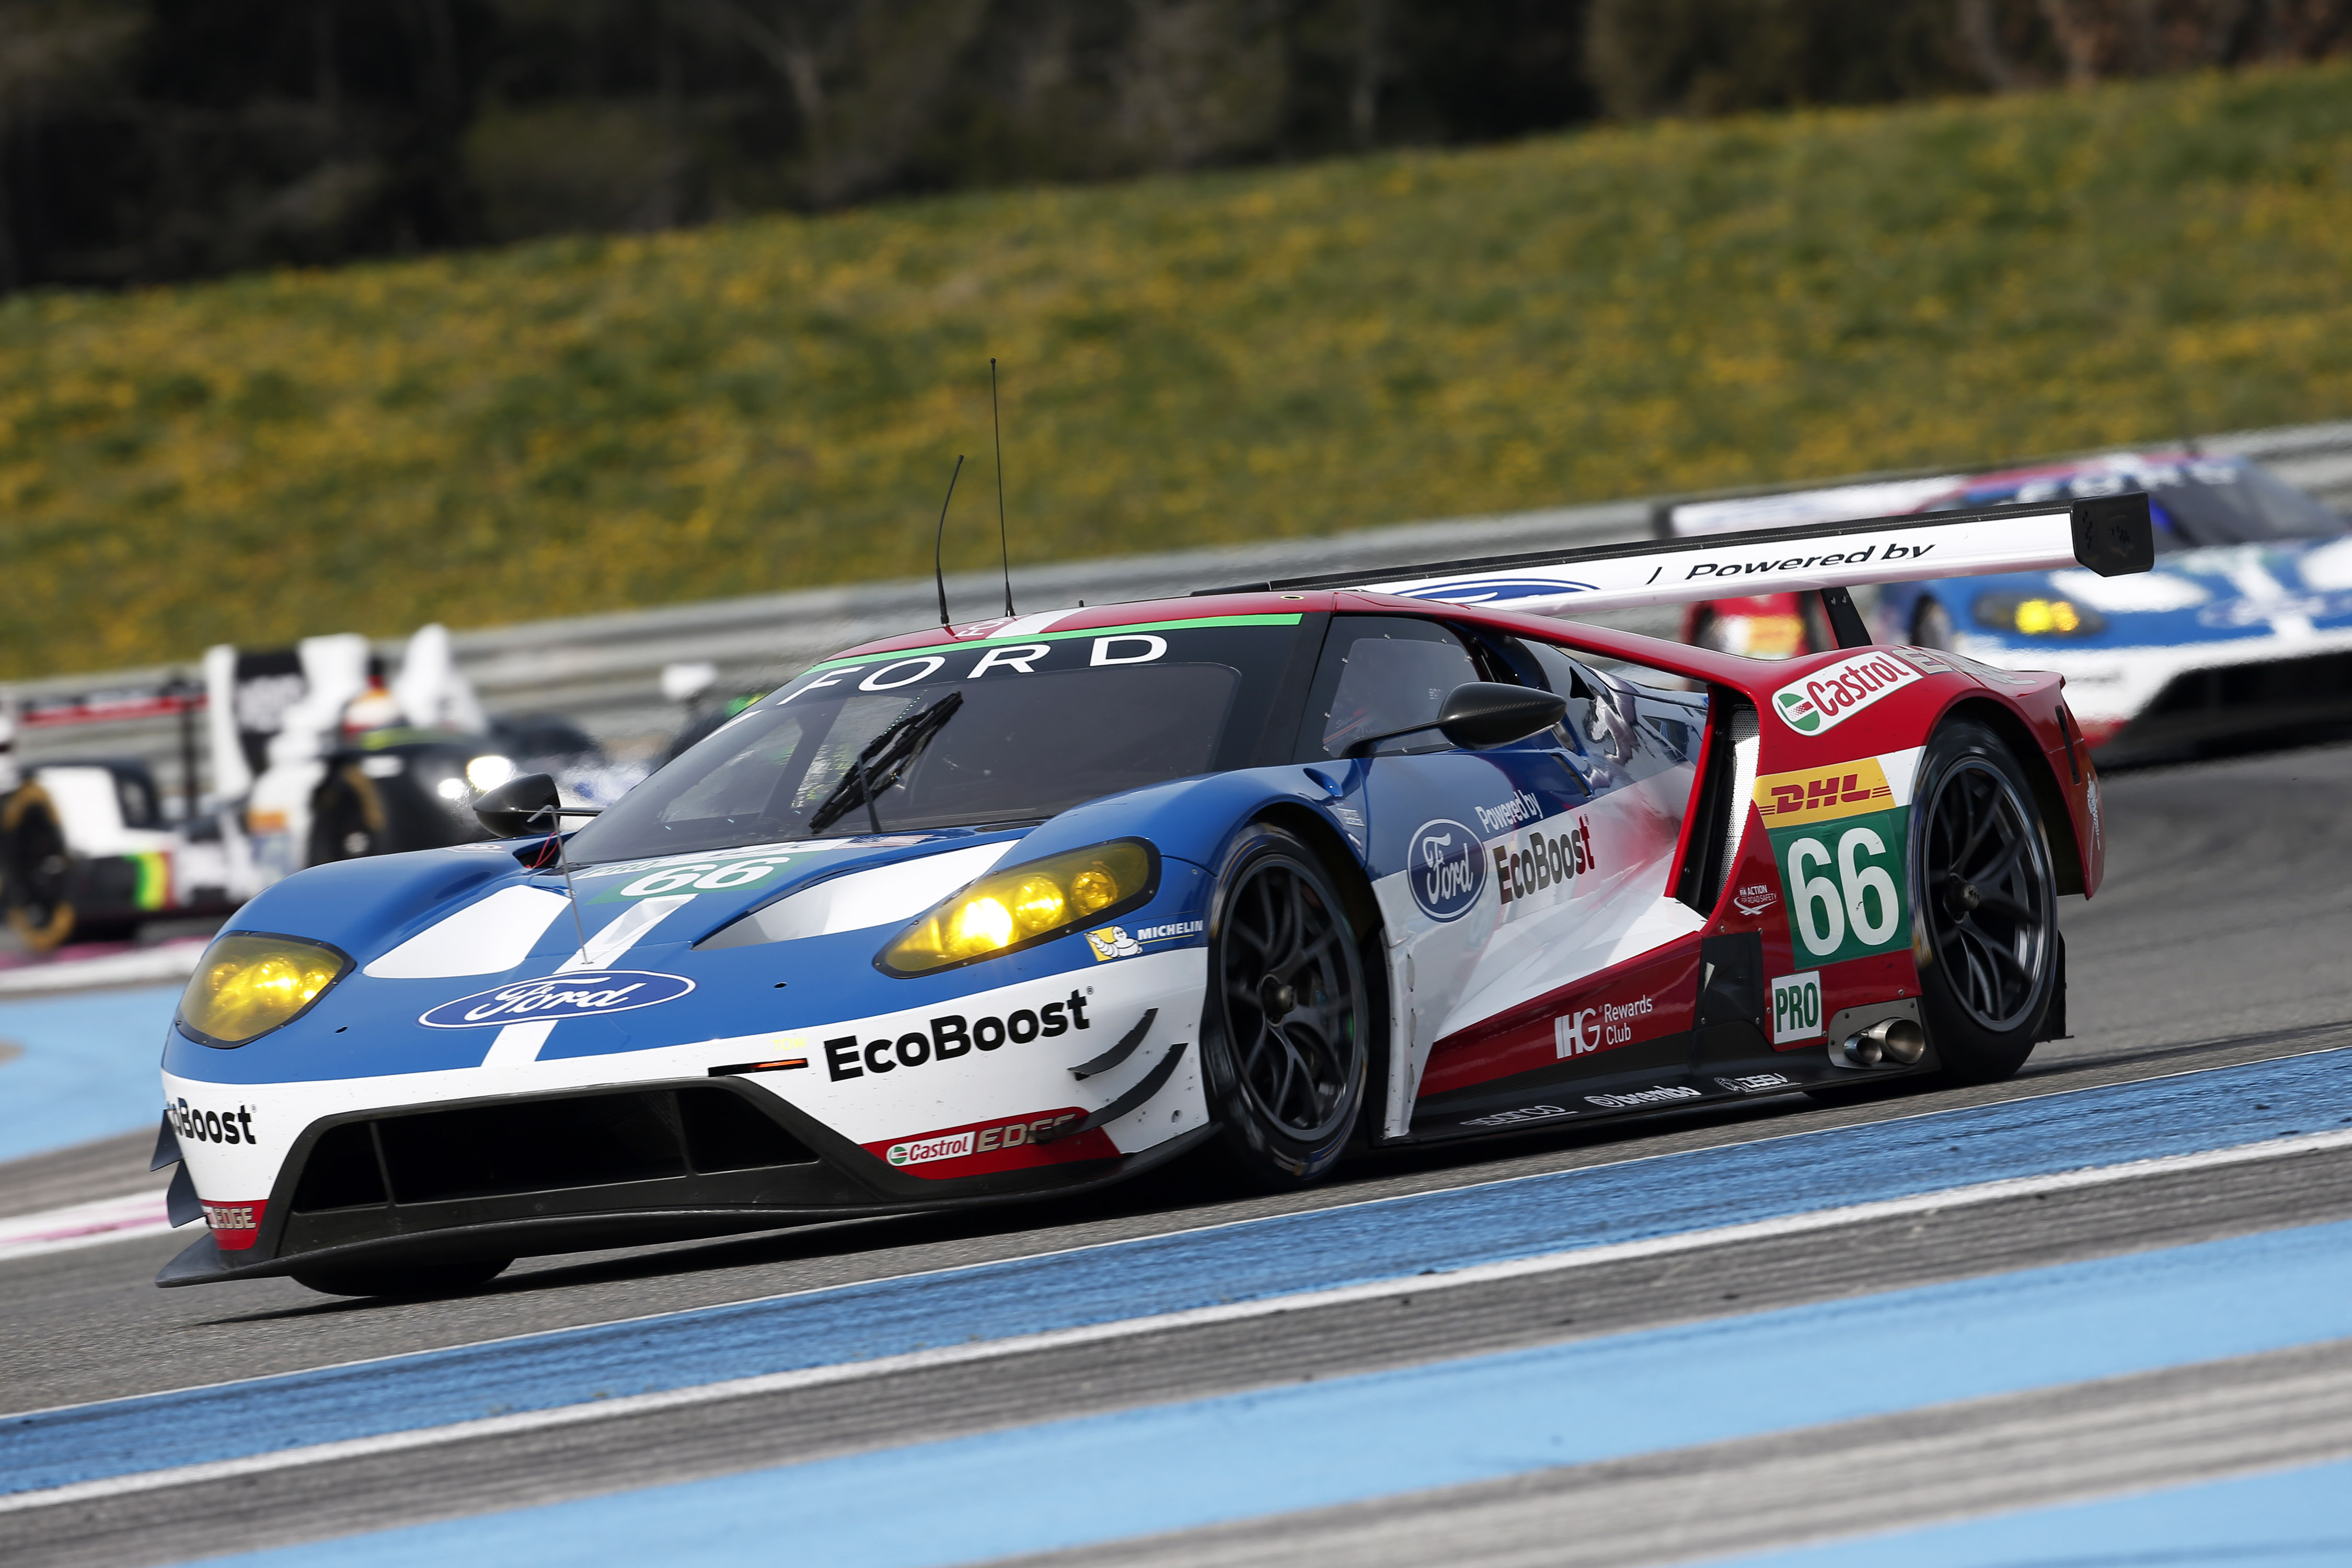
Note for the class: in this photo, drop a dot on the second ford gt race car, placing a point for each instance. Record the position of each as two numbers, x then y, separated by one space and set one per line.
990 912
2242 629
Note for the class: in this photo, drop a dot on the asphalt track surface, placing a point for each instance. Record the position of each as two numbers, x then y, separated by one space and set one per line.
2170 1326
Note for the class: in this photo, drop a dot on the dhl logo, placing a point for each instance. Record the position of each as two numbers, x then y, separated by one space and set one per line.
1816 794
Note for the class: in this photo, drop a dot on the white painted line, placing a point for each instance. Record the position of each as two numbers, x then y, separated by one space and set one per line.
122 1218
1165 1322
170 960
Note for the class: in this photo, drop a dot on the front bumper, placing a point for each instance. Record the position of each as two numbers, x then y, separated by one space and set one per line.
530 1175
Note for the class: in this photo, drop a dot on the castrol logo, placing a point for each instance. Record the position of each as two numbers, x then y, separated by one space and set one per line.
1829 695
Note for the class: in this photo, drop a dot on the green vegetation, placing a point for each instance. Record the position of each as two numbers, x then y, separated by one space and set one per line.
581 424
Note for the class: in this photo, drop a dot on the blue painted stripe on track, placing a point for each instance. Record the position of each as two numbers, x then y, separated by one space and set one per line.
2288 1519
1317 1444
1387 1238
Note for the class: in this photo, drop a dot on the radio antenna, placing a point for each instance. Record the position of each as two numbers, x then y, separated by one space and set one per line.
1002 553
939 572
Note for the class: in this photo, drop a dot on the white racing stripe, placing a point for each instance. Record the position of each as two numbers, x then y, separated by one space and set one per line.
123 1218
1137 1327
520 1043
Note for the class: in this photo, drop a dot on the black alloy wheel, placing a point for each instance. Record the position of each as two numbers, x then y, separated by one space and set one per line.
1289 1019
1986 912
35 870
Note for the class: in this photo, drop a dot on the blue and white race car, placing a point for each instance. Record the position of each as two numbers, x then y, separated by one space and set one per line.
2243 628
995 910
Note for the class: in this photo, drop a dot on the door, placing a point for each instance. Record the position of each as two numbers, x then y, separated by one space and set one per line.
1534 948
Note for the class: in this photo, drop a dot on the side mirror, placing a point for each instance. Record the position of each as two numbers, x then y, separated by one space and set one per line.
1482 713
522 806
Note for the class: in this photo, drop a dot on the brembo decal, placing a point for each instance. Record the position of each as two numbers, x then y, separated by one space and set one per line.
1446 869
583 993
1814 703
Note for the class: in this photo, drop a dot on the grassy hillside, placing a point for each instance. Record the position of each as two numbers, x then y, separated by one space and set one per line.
583 425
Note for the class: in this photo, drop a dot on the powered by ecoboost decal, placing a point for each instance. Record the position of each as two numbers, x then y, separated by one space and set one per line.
1797 1007
583 993
1445 870
950 1035
1842 841
1821 702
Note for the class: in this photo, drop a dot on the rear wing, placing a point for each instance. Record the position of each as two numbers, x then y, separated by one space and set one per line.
2110 535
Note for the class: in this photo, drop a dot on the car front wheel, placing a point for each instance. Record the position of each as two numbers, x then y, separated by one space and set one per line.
1288 1023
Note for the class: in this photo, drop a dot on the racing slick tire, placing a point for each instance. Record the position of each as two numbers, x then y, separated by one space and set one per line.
398 1279
1287 1028
1985 907
35 870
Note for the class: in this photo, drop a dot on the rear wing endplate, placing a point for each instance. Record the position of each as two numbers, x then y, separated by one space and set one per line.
2110 535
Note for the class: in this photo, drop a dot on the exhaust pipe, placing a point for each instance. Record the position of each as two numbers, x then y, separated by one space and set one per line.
1897 1042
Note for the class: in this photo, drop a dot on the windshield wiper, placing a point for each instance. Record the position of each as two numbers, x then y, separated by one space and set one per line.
878 766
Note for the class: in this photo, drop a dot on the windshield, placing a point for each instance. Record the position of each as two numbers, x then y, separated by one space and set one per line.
962 735
2196 502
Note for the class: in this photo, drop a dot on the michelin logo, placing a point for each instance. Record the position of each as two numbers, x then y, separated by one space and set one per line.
1113 941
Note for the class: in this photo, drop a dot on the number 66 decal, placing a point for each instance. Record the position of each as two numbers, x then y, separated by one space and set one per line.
1845 883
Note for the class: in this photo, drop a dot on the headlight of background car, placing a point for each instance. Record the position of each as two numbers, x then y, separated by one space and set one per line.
2037 617
1026 904
249 984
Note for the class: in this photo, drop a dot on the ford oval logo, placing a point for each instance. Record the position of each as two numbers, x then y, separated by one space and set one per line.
1447 871
582 993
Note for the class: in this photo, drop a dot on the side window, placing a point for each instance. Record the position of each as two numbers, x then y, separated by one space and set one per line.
1382 673
1629 716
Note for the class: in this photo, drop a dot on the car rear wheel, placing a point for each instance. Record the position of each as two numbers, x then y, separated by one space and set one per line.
1287 1028
35 870
395 1279
1984 920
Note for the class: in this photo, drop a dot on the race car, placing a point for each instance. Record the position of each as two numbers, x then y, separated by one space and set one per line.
2244 630
314 756
999 910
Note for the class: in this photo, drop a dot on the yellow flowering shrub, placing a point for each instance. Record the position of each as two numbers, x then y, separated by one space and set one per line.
581 424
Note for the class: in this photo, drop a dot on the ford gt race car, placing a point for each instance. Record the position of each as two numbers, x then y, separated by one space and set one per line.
998 910
2243 628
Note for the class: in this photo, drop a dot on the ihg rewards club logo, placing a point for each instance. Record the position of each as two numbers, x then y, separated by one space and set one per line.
1835 692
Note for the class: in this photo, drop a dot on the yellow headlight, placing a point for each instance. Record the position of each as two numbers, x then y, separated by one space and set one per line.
249 984
1021 905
